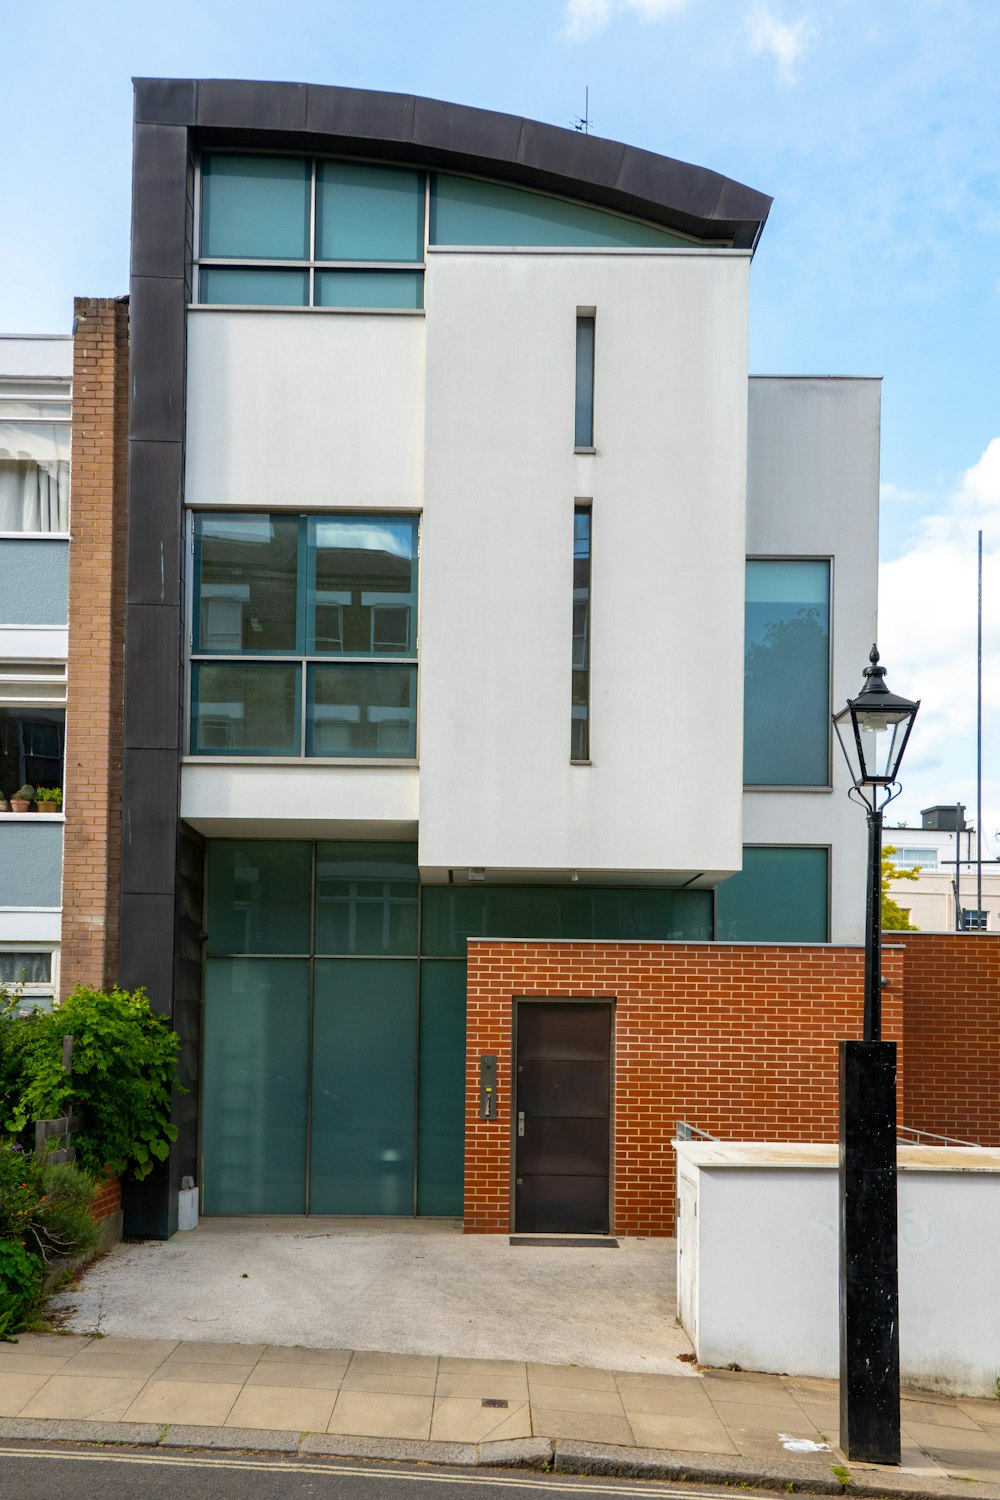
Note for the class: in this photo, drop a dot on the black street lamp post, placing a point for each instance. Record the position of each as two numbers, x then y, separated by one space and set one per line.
873 730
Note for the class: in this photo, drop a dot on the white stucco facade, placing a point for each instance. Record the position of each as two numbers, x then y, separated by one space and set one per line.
464 414
812 492
767 1296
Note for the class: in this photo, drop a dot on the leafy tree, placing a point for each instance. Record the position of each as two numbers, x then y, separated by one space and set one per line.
894 918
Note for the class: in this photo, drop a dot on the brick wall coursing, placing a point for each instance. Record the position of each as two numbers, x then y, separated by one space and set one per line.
108 1200
92 802
951 988
739 1041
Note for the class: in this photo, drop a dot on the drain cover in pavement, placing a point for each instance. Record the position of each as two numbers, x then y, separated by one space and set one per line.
493 1401
551 1243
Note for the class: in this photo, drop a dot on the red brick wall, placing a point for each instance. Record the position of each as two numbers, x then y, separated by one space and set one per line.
92 850
951 1025
739 1041
108 1200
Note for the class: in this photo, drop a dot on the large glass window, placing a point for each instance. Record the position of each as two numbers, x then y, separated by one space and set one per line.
296 232
786 710
467 211
275 598
34 455
350 227
780 896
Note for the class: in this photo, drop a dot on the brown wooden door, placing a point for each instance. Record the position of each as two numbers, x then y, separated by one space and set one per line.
562 1117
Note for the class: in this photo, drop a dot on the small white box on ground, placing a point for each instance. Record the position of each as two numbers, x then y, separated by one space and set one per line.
187 1205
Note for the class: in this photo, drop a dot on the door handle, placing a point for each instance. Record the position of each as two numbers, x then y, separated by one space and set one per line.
520 1122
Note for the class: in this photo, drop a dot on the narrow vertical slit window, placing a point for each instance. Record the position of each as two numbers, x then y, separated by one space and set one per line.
580 708
584 381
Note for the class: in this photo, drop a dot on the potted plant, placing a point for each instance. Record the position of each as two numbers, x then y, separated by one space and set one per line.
48 799
4 805
22 799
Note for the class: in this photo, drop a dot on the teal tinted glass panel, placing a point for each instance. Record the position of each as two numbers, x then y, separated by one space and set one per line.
258 896
584 430
580 708
786 736
362 710
246 569
452 914
236 286
465 211
255 207
377 289
363 1087
368 213
253 1114
441 1103
244 708
362 586
779 897
366 898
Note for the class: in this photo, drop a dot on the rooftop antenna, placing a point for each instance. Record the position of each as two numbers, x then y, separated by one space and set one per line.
583 122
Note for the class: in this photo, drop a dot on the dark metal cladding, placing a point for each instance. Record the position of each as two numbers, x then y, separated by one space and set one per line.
368 122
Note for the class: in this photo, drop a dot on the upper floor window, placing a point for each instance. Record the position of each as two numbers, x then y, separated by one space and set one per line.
290 232
34 455
786 735
303 636
32 745
293 231
924 859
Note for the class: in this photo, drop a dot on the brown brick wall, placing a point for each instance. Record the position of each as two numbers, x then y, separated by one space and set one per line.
951 1024
739 1041
92 855
108 1200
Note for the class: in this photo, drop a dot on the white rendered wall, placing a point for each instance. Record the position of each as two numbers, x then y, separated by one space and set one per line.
813 476
767 1296
668 480
258 799
304 409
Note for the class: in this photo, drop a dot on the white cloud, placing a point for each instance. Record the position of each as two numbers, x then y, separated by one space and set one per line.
583 19
927 636
785 41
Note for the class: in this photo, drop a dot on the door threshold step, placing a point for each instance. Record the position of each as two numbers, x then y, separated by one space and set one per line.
564 1242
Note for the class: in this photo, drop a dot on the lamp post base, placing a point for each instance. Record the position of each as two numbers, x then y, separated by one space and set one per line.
869 1292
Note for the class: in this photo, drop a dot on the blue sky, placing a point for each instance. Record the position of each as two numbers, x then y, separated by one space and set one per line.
874 124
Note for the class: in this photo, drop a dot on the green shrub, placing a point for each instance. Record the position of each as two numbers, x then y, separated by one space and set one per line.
62 1223
124 1067
20 1287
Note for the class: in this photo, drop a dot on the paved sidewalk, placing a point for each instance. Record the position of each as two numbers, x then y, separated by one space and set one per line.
752 1430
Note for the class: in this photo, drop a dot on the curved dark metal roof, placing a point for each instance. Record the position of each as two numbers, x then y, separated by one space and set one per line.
404 127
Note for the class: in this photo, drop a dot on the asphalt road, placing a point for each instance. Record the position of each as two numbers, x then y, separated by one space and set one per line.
50 1471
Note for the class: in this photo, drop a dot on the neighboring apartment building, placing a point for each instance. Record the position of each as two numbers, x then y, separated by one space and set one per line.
449 498
35 397
945 897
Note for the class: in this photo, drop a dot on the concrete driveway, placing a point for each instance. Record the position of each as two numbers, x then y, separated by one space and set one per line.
393 1286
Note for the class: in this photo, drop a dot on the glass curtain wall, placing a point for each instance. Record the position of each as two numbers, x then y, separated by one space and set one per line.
313 1025
334 1034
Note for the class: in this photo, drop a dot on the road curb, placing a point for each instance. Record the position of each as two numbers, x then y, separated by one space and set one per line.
564 1455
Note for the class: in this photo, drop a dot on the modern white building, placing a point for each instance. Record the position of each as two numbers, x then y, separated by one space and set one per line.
475 588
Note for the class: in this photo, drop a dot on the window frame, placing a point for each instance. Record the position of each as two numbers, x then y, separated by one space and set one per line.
29 388
302 660
807 787
27 991
310 264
